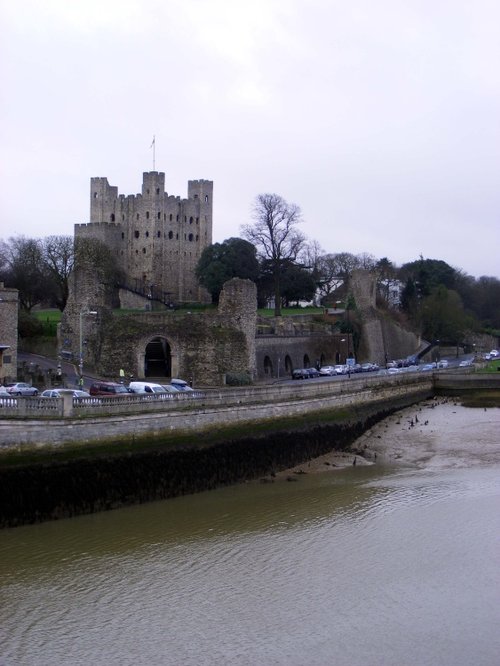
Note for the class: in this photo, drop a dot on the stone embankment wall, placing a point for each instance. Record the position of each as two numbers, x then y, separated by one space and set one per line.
245 407
47 491
39 492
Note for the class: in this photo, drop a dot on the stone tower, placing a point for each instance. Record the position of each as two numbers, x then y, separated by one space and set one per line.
157 238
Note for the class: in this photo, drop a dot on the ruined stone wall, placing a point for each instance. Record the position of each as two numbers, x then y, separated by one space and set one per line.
238 304
381 338
9 308
203 346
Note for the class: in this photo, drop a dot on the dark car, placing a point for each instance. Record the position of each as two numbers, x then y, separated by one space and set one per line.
313 373
108 388
301 373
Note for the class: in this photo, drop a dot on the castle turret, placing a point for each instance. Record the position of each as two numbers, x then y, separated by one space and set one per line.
153 184
102 200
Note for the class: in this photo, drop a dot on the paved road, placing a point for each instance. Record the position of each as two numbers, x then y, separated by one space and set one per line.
69 370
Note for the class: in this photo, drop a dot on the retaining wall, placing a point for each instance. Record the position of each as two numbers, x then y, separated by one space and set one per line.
220 408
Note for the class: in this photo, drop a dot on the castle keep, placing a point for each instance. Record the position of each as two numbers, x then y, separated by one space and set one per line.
156 237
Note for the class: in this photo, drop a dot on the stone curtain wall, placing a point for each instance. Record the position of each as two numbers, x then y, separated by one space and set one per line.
291 350
204 346
382 339
9 308
238 303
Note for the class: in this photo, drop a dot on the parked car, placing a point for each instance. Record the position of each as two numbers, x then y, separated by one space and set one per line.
170 388
494 353
146 387
180 385
58 392
327 371
300 373
108 388
340 369
313 373
442 364
21 388
3 391
465 363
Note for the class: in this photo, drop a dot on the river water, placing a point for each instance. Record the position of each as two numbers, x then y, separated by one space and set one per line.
388 564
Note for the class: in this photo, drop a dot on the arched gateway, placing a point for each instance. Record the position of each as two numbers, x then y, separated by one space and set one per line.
158 358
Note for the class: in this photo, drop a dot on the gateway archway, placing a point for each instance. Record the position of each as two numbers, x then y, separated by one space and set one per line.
158 358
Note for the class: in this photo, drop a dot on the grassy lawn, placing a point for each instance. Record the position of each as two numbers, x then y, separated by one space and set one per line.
49 319
491 367
269 312
53 316
48 316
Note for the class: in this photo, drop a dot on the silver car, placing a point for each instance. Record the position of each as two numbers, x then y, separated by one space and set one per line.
57 393
21 388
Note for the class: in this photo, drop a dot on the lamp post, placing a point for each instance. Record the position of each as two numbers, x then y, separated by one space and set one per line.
83 313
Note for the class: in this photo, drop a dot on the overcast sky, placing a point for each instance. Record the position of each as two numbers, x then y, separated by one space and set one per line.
380 119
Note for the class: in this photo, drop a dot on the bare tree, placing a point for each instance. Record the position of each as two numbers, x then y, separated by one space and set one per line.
24 269
366 261
59 257
275 236
330 275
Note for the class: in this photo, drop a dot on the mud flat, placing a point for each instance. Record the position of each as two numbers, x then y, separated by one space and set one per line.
436 433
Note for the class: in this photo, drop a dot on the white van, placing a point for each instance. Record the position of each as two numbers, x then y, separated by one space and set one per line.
146 387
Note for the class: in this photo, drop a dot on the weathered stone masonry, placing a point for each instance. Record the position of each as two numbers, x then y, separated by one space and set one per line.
8 333
156 237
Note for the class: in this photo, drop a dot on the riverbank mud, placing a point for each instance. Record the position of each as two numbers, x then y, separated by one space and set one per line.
436 433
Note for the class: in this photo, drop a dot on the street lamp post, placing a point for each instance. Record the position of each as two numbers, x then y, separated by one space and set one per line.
83 313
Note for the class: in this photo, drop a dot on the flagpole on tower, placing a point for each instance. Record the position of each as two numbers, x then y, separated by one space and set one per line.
153 146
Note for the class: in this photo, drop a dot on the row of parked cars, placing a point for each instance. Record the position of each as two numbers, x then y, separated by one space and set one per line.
100 388
333 370
151 388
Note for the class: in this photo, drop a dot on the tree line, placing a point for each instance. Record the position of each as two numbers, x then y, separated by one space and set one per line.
440 301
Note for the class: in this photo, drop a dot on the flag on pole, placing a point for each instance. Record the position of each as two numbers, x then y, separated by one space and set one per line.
153 142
